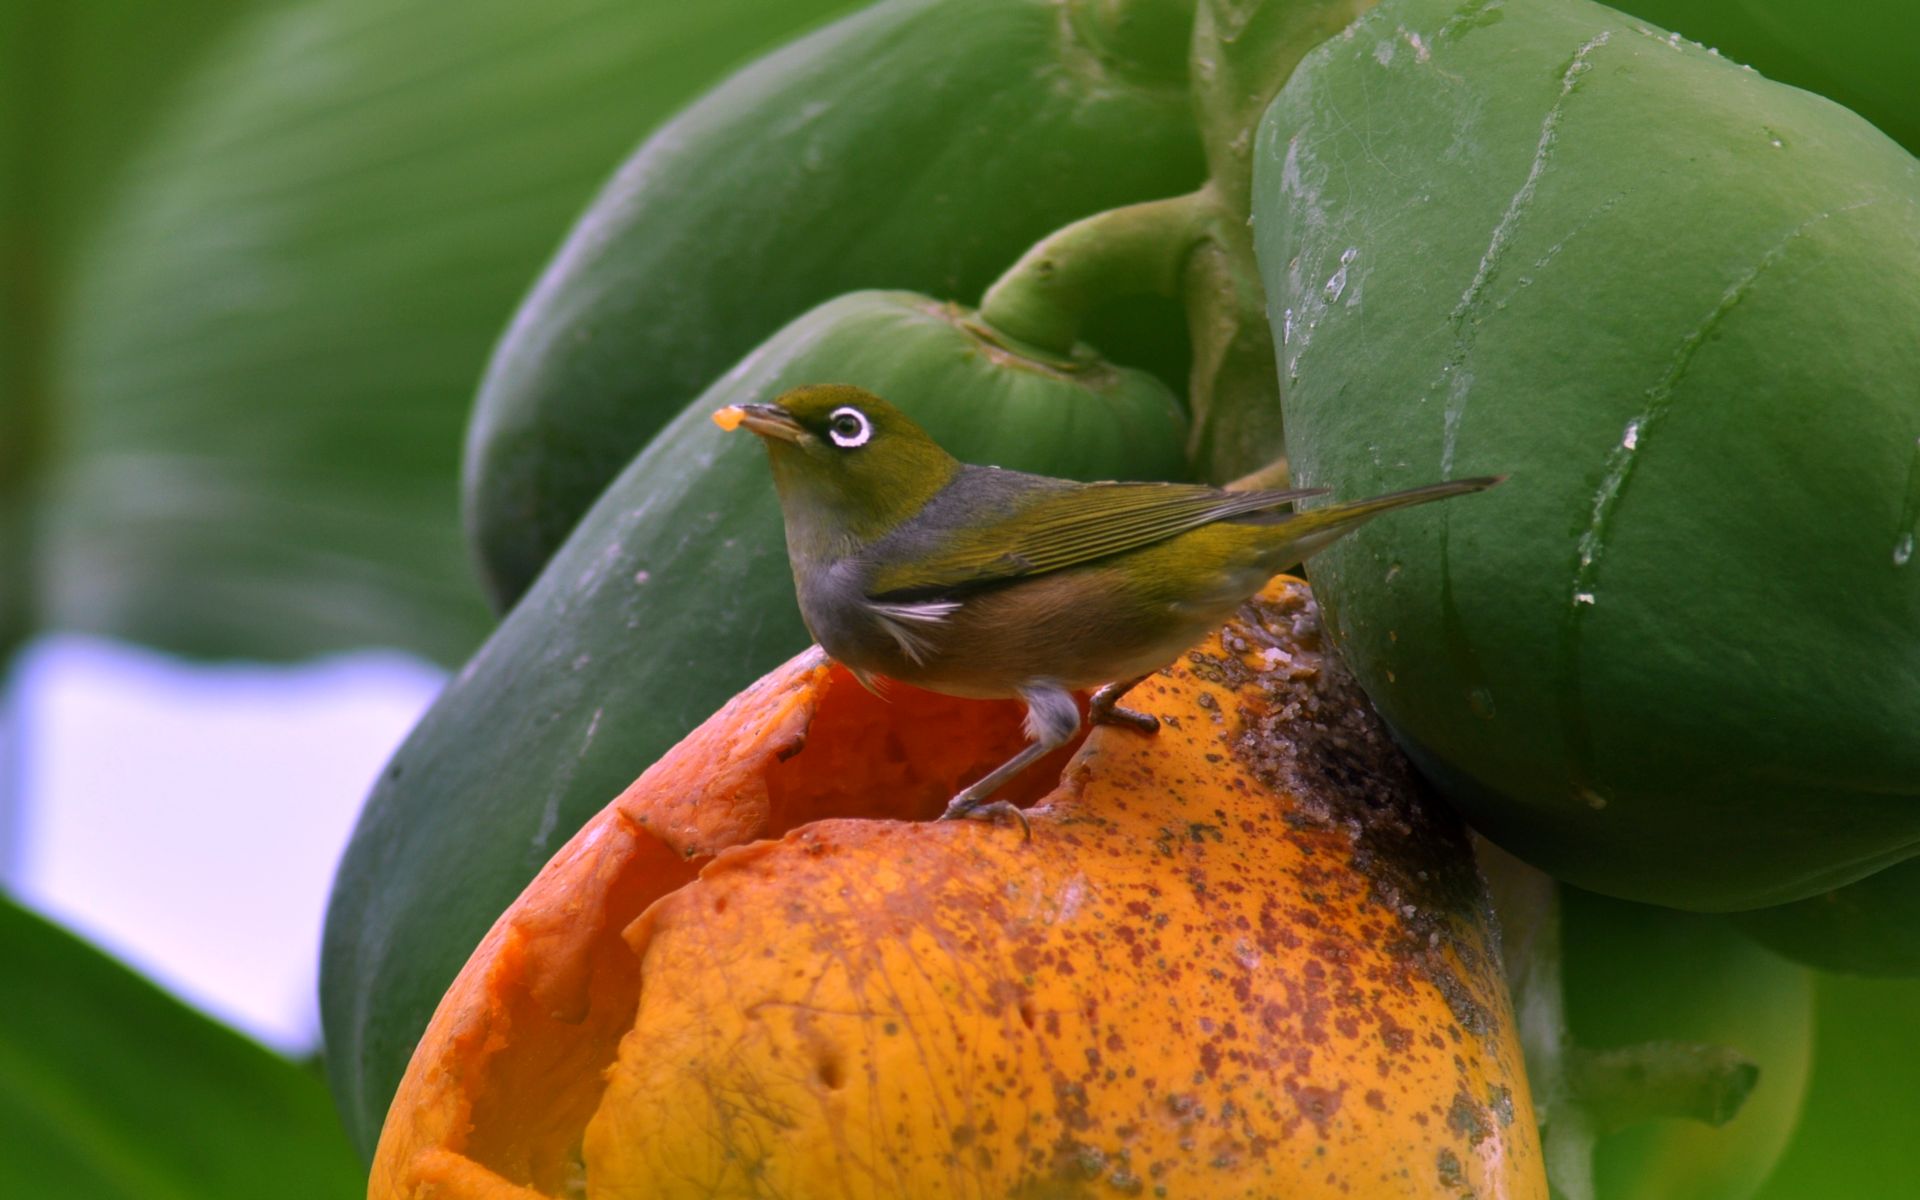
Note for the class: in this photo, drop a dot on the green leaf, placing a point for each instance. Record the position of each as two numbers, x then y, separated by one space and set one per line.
1672 659
260 364
79 85
111 1089
84 84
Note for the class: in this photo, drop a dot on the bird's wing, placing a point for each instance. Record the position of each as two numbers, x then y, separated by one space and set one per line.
906 623
1067 527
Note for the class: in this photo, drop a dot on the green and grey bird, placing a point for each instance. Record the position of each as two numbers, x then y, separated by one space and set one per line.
973 581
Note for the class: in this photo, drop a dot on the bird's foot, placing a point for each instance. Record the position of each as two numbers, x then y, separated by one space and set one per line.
1104 709
968 808
1133 718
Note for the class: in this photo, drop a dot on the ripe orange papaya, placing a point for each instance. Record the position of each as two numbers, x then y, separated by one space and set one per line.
1248 956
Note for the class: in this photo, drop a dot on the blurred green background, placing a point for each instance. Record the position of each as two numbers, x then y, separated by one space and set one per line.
253 254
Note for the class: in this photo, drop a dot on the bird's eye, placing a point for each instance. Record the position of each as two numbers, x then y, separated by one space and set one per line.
849 427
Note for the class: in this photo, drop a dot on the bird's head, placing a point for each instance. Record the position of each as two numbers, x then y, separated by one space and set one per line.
843 455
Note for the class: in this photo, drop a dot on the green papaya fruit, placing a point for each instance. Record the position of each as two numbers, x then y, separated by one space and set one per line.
1864 54
673 594
1673 659
1871 927
1855 1137
1635 974
918 144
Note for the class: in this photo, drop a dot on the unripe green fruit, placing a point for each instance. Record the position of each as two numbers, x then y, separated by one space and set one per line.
1674 658
917 144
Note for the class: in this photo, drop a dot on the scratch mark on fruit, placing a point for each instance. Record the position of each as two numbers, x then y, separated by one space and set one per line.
1470 17
1303 180
1673 41
1625 456
1503 230
550 811
1909 512
1464 326
1623 460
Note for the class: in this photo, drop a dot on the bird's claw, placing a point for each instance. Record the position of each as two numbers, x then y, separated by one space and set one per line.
1133 718
1105 708
965 809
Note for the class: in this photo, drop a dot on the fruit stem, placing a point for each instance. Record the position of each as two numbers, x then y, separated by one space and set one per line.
1526 902
1630 1084
1144 39
1198 247
1580 1094
1243 53
1044 298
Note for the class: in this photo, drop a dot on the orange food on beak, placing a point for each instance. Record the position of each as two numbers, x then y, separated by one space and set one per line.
1243 957
729 418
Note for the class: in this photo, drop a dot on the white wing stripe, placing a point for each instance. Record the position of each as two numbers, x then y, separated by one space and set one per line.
899 621
928 612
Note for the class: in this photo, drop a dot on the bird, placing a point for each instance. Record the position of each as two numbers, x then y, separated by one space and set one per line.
973 581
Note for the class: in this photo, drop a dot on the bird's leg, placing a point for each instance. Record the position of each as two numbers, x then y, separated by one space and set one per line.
1052 720
1105 708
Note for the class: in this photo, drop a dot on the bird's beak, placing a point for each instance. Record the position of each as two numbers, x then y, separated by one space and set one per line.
767 420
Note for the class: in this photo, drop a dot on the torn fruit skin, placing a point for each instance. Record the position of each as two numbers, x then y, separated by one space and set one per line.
1243 957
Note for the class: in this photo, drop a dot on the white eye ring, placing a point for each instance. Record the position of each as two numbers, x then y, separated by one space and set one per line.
858 437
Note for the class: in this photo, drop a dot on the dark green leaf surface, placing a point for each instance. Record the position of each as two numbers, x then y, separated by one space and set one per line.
920 144
79 85
1673 659
84 84
112 1090
673 594
260 368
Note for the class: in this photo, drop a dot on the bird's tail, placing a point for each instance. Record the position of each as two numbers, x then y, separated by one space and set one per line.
1317 528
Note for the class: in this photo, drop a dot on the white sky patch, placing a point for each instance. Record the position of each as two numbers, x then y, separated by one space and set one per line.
188 818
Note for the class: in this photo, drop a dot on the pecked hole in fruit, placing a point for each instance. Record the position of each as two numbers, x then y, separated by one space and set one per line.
900 757
559 994
829 1072
564 967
